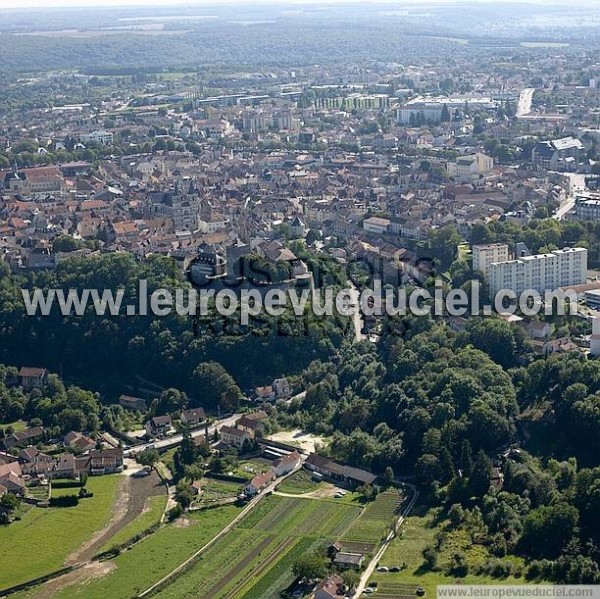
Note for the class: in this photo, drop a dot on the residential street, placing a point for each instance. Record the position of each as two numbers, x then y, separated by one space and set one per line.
175 440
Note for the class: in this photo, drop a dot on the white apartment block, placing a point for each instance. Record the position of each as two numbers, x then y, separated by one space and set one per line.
104 138
484 255
544 272
431 108
255 121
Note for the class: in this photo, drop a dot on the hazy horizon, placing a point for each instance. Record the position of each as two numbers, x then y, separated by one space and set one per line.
14 4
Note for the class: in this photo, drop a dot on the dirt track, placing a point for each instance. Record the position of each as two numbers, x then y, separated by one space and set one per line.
131 498
129 504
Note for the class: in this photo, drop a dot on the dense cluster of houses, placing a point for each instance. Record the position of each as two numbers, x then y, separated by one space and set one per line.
174 203
73 456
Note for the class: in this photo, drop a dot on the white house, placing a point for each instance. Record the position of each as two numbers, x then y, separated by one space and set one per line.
376 225
286 464
234 436
258 483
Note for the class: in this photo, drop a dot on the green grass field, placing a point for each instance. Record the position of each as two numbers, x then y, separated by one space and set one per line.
419 531
63 487
43 539
255 559
153 511
167 458
152 558
17 425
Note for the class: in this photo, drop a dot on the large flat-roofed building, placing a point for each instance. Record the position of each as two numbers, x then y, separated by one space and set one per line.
484 255
592 299
430 109
104 138
543 272
587 206
557 153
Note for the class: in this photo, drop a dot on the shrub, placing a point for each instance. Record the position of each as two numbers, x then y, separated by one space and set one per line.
497 568
64 501
174 513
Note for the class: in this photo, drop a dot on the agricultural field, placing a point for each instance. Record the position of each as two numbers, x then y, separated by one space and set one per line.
374 523
418 531
216 490
43 539
255 559
146 562
298 483
249 468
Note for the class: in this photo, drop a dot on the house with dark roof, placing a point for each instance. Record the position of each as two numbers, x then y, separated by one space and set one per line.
13 484
132 403
159 426
339 473
252 422
193 417
79 441
330 588
26 437
345 559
